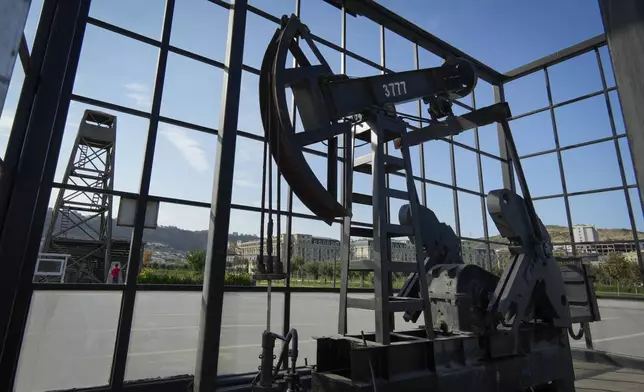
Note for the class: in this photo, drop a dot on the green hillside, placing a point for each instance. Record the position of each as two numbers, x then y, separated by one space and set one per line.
560 234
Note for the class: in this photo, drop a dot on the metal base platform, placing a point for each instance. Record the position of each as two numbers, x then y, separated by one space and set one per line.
446 363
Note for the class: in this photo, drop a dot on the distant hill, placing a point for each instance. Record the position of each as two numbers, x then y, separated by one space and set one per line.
560 234
170 236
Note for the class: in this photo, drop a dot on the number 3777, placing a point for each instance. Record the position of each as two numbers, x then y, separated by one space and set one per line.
394 89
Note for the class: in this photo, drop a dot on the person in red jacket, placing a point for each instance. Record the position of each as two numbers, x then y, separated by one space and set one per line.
116 270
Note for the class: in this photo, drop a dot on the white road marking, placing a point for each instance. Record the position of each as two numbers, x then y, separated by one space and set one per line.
633 335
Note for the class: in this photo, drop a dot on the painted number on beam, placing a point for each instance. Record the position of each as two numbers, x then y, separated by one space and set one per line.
395 89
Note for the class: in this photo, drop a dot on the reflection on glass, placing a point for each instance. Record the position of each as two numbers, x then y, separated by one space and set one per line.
164 335
69 340
243 321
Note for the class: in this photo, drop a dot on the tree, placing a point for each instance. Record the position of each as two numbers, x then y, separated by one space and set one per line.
326 269
312 269
297 264
619 270
147 258
196 260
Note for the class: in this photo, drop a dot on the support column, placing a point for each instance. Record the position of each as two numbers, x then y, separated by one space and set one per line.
624 25
213 286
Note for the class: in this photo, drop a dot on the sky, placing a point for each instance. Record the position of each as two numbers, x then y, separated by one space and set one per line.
502 34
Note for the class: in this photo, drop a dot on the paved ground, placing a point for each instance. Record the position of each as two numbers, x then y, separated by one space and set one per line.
70 337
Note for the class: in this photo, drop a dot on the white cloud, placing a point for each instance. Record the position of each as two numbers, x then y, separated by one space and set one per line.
189 148
140 94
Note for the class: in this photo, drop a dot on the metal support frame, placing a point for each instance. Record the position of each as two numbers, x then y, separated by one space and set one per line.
32 99
213 288
126 314
624 29
34 175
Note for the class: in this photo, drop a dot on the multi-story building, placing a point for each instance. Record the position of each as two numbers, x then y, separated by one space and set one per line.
400 250
307 246
585 233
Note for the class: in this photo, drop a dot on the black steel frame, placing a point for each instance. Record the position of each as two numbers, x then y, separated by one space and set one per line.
37 186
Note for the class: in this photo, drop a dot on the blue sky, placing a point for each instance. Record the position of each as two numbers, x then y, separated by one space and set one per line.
502 34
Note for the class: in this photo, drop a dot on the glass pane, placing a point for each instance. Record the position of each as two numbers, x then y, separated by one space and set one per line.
201 27
164 335
533 133
492 174
627 161
527 93
591 167
441 201
363 38
184 164
69 340
489 139
175 252
542 175
636 204
139 17
583 121
611 223
324 20
247 180
437 161
575 77
607 65
470 214
616 108
399 52
259 32
243 321
192 91
10 104
484 93
123 80
276 8
552 213
467 175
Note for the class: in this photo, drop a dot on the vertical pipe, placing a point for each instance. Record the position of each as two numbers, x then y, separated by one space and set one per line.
421 147
286 320
34 176
618 151
124 328
347 174
479 166
560 161
213 287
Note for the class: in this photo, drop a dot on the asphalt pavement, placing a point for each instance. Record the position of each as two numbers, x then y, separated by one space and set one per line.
70 337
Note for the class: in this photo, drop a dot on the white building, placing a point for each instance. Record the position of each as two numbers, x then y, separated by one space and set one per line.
585 233
400 250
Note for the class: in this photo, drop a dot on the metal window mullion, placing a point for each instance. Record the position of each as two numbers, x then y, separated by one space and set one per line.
622 172
286 316
560 161
117 373
421 147
207 359
479 166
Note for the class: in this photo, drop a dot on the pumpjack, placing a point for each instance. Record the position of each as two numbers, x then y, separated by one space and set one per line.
479 332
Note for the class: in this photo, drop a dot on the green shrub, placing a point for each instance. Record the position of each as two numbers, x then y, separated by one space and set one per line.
163 276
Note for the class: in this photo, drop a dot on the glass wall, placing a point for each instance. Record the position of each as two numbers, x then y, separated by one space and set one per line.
564 117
